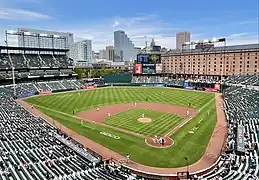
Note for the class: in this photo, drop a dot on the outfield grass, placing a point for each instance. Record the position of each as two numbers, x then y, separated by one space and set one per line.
161 122
191 145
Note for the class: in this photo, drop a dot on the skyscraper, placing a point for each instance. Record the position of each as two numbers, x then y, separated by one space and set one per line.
44 39
109 53
181 38
102 54
81 53
124 50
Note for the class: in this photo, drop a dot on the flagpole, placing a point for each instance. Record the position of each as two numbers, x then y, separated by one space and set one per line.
6 40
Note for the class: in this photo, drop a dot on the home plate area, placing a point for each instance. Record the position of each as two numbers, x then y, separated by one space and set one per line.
159 141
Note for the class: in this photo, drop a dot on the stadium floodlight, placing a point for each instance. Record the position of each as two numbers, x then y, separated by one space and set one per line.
214 40
11 32
27 33
43 35
187 43
222 40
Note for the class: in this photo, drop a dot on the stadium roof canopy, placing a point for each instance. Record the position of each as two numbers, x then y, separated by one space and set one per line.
31 49
215 49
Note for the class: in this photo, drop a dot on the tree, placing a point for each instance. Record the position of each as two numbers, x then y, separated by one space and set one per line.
80 73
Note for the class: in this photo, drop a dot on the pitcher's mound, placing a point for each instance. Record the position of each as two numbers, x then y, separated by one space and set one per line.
144 120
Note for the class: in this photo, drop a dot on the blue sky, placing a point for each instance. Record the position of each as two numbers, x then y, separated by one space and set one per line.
237 20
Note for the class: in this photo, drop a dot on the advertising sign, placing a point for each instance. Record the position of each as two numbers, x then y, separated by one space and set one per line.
158 68
138 69
149 59
240 139
217 86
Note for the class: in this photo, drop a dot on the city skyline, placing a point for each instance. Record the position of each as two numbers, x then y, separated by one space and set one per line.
235 20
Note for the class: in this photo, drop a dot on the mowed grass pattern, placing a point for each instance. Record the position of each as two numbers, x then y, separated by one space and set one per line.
161 122
72 101
60 107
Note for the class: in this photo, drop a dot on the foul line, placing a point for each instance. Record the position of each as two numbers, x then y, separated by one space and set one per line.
170 133
94 122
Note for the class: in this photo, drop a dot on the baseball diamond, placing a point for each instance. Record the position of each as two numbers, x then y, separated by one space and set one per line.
110 118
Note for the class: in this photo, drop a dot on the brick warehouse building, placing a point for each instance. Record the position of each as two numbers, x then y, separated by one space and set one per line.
212 61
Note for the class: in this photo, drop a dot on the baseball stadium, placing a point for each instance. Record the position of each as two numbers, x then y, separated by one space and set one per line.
147 121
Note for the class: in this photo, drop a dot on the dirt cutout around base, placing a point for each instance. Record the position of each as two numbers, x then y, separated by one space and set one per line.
156 142
144 120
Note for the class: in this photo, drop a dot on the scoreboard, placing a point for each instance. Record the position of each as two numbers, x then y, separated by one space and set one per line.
148 64
148 59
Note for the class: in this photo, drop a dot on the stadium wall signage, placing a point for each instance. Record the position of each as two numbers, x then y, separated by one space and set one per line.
240 139
110 135
45 92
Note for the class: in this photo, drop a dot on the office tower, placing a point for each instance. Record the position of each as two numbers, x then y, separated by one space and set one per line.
81 53
109 53
181 38
124 50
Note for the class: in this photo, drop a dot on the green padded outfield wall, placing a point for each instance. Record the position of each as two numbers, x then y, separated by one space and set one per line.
117 78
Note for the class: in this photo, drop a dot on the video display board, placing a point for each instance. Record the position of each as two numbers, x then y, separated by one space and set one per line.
148 68
149 58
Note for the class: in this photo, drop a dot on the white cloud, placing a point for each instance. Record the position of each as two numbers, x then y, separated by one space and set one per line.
115 24
135 27
243 40
101 33
238 35
21 14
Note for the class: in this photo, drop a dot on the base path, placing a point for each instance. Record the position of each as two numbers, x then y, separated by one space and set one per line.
100 114
212 153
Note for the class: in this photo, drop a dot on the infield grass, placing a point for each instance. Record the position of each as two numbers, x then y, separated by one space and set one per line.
161 122
186 144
